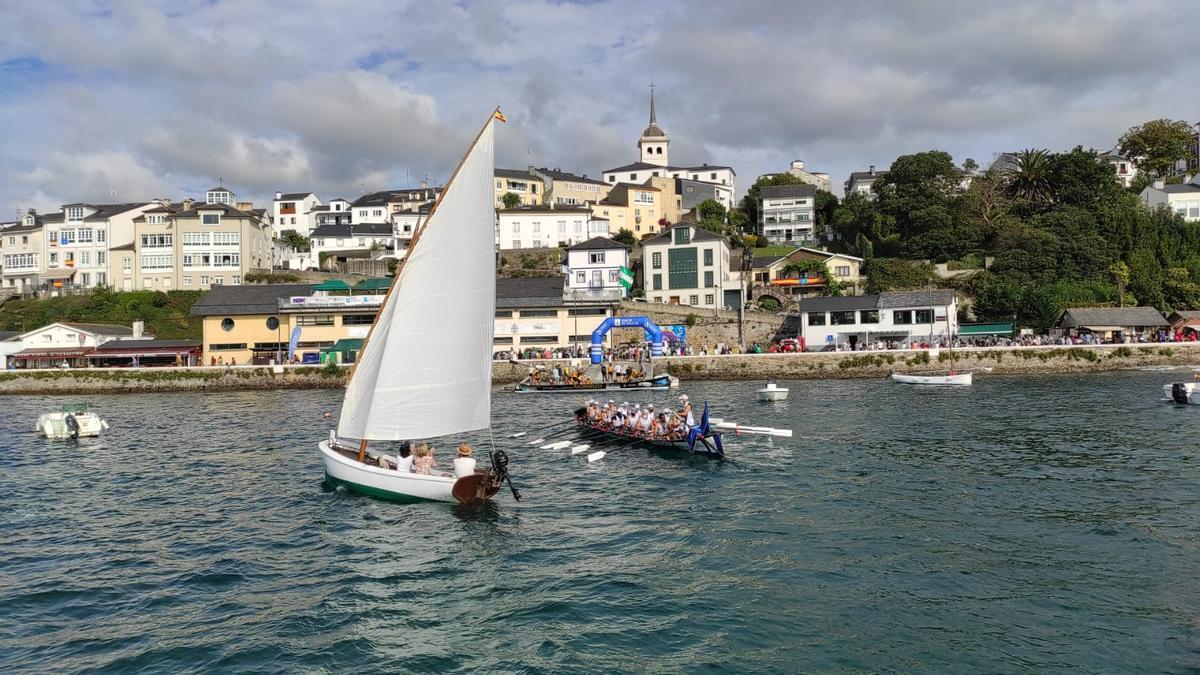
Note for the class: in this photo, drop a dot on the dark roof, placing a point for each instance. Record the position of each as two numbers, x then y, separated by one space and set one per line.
639 166
100 328
1084 317
247 299
839 304
220 188
766 261
523 174
347 230
106 211
784 191
320 207
555 174
122 247
654 131
866 175
18 228
597 244
529 292
547 208
1181 313
7 334
1180 188
938 297
293 195
114 345
226 209
382 197
698 234
703 167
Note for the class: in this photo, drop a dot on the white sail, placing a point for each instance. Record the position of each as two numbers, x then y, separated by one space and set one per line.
426 368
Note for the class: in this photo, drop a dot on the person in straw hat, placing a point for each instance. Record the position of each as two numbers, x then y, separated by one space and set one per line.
464 463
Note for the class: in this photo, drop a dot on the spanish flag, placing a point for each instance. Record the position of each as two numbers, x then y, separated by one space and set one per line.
500 116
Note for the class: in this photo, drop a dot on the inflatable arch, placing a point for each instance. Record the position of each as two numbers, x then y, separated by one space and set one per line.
653 332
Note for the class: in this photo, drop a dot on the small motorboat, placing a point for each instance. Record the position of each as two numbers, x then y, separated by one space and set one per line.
772 392
960 379
1182 392
73 421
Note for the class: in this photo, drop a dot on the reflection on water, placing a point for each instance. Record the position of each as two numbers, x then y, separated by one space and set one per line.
1020 524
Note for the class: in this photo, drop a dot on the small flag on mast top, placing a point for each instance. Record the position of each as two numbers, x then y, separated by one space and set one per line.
500 116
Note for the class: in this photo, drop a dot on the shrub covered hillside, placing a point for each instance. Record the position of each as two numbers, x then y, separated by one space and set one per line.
167 315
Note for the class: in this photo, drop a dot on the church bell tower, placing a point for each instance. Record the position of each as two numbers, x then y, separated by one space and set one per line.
652 146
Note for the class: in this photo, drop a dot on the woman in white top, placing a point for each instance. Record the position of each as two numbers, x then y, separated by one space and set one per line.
464 463
404 460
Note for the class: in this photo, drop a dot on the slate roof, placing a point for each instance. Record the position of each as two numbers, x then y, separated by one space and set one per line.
382 197
523 174
935 298
246 299
653 131
114 345
843 303
1181 188
529 292
786 191
293 196
555 174
8 334
1085 317
100 328
597 244
106 211
226 209
766 261
346 230
866 175
639 166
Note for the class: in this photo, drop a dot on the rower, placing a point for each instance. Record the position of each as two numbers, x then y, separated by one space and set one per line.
685 411
647 417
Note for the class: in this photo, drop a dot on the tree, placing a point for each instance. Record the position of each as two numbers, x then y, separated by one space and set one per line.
1158 145
919 194
894 274
737 221
511 200
1081 178
996 298
1120 272
825 203
710 215
294 239
811 267
625 236
1029 179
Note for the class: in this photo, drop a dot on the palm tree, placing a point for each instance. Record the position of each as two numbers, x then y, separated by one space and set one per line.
1029 178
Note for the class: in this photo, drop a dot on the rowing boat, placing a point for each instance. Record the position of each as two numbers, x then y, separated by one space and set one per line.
700 440
658 383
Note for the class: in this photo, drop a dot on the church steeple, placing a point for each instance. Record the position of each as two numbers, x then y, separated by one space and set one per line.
652 146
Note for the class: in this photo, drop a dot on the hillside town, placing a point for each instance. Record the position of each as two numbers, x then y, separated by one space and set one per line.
645 232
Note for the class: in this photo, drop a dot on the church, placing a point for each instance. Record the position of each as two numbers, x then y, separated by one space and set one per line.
654 161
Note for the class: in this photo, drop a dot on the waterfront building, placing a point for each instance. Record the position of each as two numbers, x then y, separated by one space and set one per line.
22 252
593 270
1112 324
687 265
214 244
637 208
67 342
567 189
787 213
901 318
253 323
768 277
1183 199
77 251
294 211
654 162
863 182
545 226
524 183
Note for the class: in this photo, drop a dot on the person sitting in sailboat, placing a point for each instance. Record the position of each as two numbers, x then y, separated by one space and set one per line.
424 461
464 463
404 461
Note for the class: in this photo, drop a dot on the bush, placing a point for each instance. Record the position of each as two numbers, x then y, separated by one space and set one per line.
691 320
768 303
271 278
1121 353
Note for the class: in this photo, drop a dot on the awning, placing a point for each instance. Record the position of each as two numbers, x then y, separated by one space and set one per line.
59 273
345 345
373 284
144 351
976 329
63 353
332 285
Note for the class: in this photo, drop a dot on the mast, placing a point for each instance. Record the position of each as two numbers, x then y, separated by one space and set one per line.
362 448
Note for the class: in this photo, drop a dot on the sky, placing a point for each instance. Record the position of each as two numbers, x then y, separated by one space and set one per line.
129 100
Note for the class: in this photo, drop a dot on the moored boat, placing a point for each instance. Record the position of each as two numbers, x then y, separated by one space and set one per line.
949 379
73 421
772 392
424 369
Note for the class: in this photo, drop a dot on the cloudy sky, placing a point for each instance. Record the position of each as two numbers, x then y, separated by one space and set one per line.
147 99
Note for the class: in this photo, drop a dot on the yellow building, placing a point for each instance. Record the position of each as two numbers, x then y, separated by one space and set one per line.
567 189
637 208
524 184
672 201
769 279
253 323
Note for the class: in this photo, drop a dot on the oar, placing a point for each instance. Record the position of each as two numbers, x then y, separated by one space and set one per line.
579 449
541 429
600 454
764 431
557 446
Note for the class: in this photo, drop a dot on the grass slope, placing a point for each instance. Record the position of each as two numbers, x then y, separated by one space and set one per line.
167 315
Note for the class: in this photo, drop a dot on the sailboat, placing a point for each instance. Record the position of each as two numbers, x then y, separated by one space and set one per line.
425 367
952 378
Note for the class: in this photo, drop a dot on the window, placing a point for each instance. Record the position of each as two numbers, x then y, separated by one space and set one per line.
187 281
562 227
227 324
614 276
157 240
656 260
537 227
210 218
538 313
87 278
75 213
148 282
203 280
226 346
708 299
156 220
504 314
681 268
841 318
694 300
65 237
868 316
502 340
816 318
588 311
581 277
218 281
841 271
358 319
157 262
682 236
166 282
102 279
101 236
902 317
237 280
85 258
596 257
314 320
127 263
101 257
923 316
377 213
53 257
657 281
708 257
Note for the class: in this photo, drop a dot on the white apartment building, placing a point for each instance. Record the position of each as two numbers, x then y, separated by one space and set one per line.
901 317
1183 199
544 226
77 249
294 211
213 244
861 182
342 239
22 253
378 207
786 213
593 270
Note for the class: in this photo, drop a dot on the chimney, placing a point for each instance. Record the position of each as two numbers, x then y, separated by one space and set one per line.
245 206
187 203
278 196
872 169
139 327
1158 185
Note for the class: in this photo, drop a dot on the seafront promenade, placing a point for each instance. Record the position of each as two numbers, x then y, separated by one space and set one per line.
808 365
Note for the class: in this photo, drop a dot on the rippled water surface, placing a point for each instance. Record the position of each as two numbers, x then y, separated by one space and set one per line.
1022 524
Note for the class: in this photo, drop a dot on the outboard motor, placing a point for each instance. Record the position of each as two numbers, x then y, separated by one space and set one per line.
72 425
1179 393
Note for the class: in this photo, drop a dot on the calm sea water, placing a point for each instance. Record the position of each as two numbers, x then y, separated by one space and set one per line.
1023 524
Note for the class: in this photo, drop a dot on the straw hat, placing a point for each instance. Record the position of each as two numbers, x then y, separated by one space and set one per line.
464 450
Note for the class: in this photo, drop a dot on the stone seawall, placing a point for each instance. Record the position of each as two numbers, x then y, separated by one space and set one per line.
1019 360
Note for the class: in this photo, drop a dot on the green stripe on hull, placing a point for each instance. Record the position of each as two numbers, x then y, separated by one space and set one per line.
377 492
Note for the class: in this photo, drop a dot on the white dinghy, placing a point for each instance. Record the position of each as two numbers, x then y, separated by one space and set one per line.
73 421
425 368
953 379
772 392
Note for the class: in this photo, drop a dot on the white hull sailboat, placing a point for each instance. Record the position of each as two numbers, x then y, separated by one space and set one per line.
955 379
425 367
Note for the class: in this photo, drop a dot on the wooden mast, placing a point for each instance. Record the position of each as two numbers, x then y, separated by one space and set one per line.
362 445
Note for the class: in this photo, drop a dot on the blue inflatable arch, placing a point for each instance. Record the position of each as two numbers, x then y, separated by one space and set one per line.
653 333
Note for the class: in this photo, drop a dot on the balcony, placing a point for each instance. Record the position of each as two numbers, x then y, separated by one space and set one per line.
594 294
